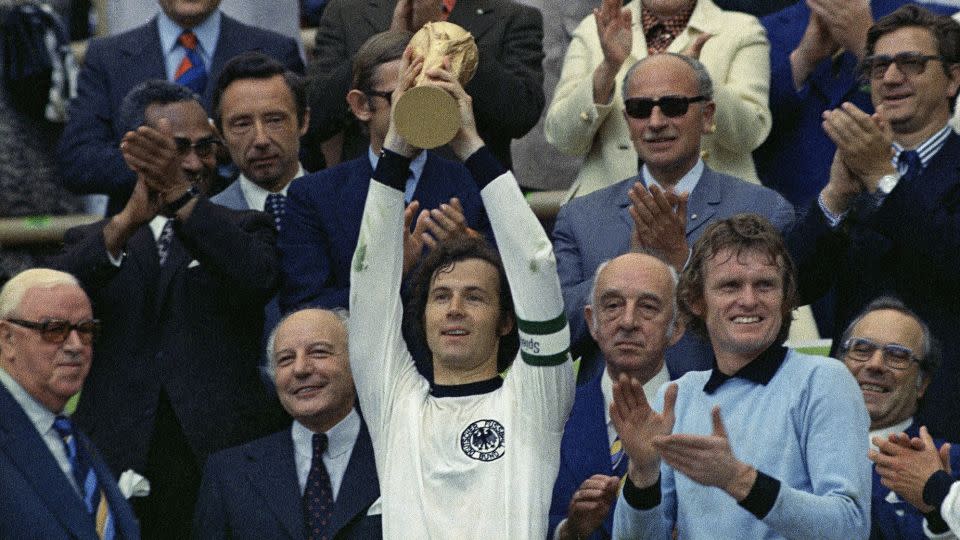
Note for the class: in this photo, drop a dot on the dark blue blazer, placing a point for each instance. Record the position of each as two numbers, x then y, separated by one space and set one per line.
597 227
38 500
584 451
909 247
901 520
795 159
322 223
252 491
90 161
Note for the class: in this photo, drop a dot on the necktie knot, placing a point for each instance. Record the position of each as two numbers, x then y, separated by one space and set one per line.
163 242
191 72
188 40
63 426
319 444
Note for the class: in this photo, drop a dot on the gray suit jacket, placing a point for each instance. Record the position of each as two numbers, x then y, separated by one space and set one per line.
596 228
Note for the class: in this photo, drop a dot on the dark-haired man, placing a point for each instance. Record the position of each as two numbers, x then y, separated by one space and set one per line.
768 442
892 226
470 454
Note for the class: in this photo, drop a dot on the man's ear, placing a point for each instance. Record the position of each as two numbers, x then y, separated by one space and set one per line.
923 381
506 324
588 315
678 329
306 122
359 105
709 122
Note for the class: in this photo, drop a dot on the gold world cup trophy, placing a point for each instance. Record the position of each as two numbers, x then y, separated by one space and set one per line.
427 116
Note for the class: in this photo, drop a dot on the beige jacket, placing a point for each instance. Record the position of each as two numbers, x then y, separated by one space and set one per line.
738 59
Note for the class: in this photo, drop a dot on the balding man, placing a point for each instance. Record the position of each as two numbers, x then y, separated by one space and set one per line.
54 482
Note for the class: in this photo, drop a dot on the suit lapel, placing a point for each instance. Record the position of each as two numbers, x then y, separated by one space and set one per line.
144 57
123 518
585 448
177 260
353 198
703 203
272 473
28 452
477 16
359 488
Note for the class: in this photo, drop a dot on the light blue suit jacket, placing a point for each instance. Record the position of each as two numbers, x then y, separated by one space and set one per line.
596 228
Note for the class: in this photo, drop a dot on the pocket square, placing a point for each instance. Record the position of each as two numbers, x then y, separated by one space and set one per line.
193 263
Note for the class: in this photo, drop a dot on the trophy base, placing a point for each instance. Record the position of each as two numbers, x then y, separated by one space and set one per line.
427 116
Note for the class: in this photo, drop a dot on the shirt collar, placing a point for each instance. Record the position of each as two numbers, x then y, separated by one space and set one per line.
760 370
256 196
885 432
41 417
156 226
207 32
686 184
926 150
469 389
416 167
649 388
340 438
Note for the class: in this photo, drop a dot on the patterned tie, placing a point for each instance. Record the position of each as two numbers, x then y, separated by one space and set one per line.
318 494
86 478
276 205
618 463
163 241
191 72
910 159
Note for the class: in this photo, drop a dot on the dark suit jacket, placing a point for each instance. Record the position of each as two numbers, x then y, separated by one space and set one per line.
507 89
38 500
597 227
322 223
191 329
252 491
584 451
910 248
90 161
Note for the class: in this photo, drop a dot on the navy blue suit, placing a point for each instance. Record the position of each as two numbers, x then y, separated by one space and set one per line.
252 491
584 451
90 161
795 159
38 500
909 247
322 223
597 227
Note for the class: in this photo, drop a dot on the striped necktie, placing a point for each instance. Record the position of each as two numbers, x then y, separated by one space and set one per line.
86 477
191 72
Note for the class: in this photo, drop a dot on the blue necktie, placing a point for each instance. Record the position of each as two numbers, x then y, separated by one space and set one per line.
276 206
318 493
86 478
191 72
910 159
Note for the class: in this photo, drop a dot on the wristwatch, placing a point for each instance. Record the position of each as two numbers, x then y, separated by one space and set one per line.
887 183
170 209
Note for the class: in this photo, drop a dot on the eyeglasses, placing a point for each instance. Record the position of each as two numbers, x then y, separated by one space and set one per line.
909 63
204 147
670 106
385 95
57 330
894 356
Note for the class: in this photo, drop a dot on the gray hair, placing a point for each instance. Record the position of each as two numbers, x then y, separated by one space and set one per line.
704 83
271 368
674 277
929 360
35 278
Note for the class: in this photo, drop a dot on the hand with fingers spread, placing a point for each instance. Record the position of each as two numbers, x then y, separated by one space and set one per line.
142 206
708 459
614 28
589 506
638 424
446 222
863 141
905 464
413 239
693 50
151 153
660 222
816 45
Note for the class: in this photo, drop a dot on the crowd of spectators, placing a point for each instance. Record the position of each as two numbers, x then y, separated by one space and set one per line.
290 322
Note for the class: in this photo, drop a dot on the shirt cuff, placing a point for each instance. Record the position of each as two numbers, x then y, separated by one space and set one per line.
762 495
392 170
641 498
484 166
934 523
936 488
833 220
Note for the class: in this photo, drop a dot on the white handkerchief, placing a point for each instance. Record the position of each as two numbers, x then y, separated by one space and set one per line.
131 484
193 263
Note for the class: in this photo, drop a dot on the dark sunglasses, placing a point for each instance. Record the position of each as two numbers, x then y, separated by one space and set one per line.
909 63
204 147
670 106
57 330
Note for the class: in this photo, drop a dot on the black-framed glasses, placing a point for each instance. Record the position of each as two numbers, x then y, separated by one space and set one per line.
670 106
204 147
385 95
909 63
894 356
57 330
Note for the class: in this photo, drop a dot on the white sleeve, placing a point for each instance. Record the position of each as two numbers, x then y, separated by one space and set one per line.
950 509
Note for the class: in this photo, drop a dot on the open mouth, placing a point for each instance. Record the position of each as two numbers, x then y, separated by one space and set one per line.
743 319
308 390
875 388
455 332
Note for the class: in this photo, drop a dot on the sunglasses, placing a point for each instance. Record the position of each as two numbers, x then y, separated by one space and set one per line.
894 356
204 147
670 106
57 330
909 63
